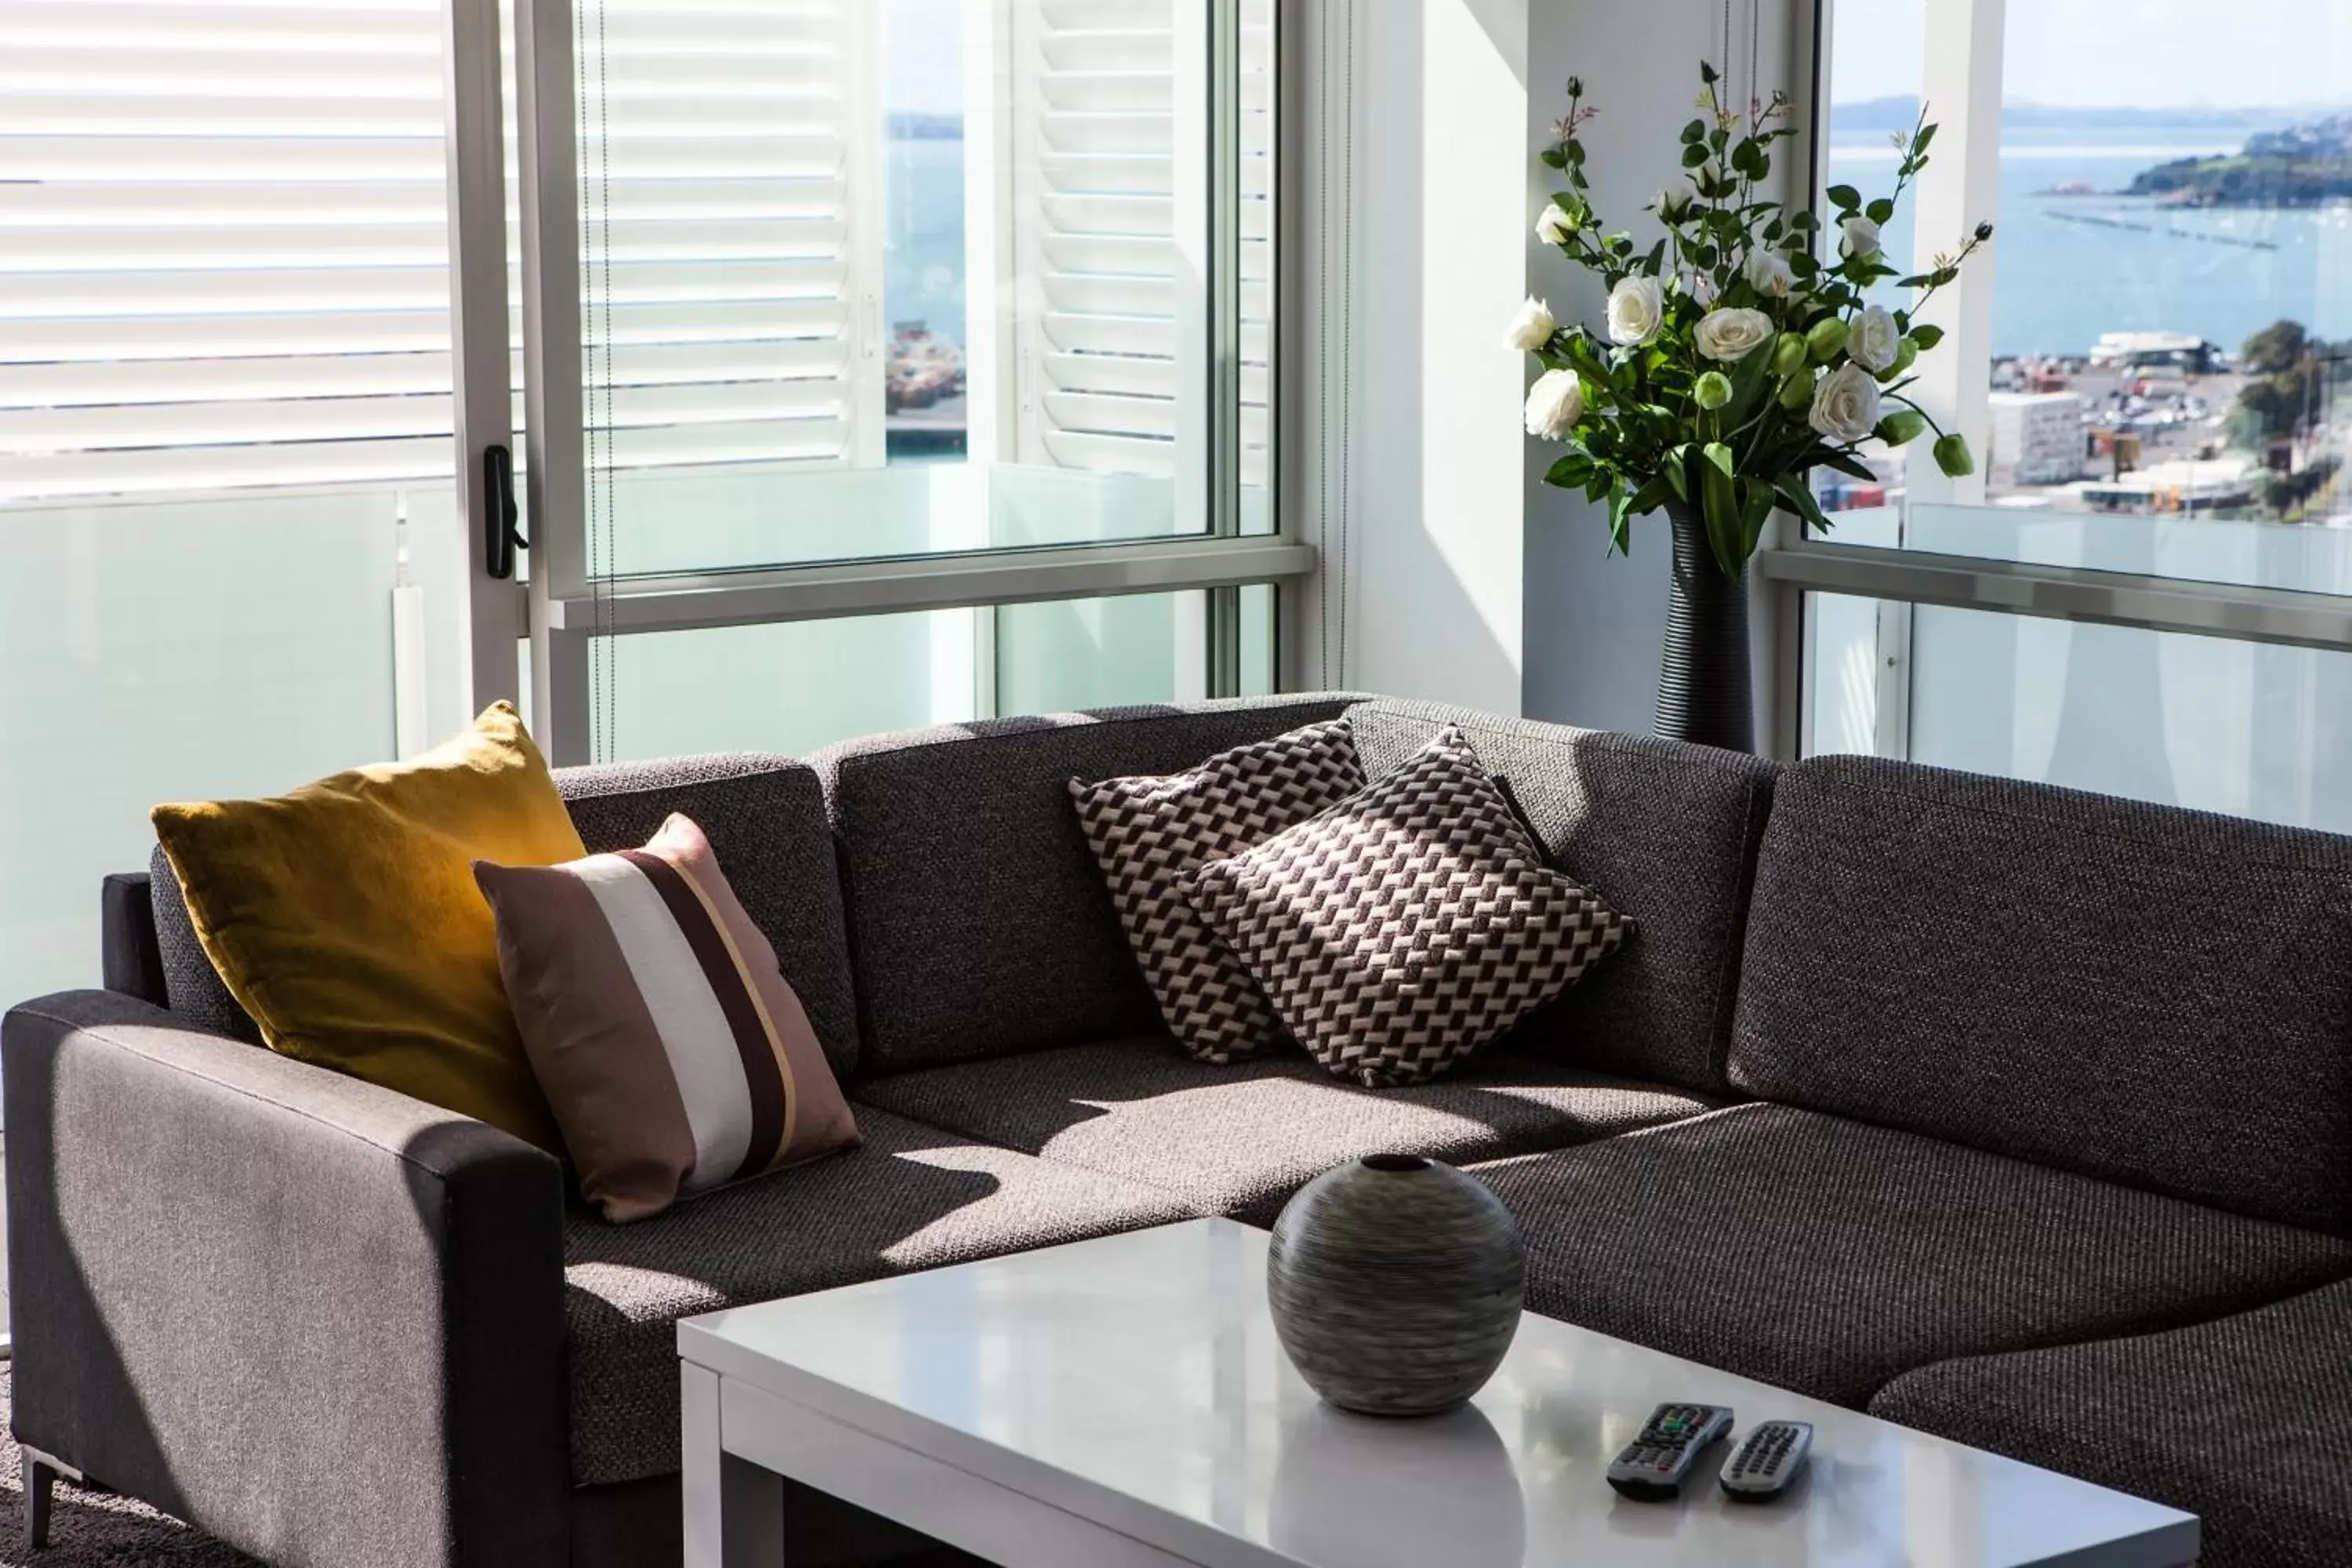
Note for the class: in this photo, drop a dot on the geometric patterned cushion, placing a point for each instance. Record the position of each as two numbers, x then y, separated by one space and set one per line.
1147 834
1404 929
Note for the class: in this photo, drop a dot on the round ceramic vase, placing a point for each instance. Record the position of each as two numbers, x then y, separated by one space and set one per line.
1396 1284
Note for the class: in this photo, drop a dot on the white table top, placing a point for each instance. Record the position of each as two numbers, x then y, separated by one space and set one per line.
1136 1381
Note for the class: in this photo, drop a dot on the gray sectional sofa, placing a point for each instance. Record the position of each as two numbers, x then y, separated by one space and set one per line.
1985 1106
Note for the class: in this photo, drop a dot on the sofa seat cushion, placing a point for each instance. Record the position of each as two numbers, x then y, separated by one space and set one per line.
2246 1422
1829 1256
1240 1140
911 1197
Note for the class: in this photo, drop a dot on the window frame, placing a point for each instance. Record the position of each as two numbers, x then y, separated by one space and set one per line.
1963 58
565 607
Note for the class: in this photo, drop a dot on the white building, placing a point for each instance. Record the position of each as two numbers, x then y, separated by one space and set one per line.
2037 437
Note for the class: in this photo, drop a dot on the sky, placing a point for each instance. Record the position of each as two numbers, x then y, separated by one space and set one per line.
2222 54
924 42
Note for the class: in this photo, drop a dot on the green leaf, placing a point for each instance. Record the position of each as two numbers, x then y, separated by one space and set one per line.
1719 457
1881 211
1926 336
1845 198
1843 463
1656 260
1695 132
1553 157
1677 471
1620 540
1919 142
1575 151
1651 496
1798 497
1569 471
1694 156
1719 503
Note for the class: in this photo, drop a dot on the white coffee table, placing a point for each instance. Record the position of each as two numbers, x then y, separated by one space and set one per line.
1124 1402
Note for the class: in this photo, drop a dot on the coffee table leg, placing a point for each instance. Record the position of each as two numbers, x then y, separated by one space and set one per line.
734 1509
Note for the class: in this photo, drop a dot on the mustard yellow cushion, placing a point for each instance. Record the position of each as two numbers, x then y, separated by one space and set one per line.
345 919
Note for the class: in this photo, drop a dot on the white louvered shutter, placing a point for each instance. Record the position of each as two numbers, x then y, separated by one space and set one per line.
223 246
1094 86
734 196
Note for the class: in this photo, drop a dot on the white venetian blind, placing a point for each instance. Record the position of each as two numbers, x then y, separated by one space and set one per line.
1096 86
732 207
223 246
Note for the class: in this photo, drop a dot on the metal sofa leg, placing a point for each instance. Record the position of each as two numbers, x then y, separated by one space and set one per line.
41 1475
38 1480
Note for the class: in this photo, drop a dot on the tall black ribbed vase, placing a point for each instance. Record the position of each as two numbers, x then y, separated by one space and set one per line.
1704 689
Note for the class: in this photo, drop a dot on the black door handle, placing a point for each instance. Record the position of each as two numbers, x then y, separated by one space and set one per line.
501 536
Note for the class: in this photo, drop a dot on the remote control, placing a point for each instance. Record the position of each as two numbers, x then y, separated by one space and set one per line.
1654 1463
1767 1461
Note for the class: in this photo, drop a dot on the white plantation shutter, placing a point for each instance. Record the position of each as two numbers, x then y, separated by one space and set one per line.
224 240
1094 86
223 246
733 201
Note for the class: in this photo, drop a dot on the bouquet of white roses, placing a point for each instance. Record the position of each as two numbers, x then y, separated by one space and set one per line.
1735 359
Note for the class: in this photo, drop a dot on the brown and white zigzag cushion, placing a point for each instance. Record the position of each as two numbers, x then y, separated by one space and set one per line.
1147 834
1402 931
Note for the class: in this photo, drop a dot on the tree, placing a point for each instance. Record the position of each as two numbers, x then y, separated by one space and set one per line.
2291 372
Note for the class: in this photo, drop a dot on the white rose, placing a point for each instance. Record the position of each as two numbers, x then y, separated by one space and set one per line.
1860 236
1551 225
1733 334
1845 405
1637 306
1874 341
1768 274
1675 195
1532 327
1555 404
1701 287
1708 173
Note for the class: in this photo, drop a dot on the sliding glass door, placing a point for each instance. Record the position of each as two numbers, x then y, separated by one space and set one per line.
892 359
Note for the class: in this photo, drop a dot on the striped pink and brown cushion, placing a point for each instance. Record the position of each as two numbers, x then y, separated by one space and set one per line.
673 1052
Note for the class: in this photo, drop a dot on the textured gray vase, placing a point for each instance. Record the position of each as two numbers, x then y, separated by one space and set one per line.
1396 1284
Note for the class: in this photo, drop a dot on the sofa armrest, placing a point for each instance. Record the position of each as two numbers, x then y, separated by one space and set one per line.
315 1317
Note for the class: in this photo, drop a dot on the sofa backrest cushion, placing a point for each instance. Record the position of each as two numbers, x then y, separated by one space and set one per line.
2156 996
978 918
1667 833
765 817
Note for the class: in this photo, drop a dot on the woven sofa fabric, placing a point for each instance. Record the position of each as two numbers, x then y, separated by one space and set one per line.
977 914
130 960
1667 833
1830 1256
2245 1422
317 1318
765 817
2152 996
1240 1140
193 988
911 1197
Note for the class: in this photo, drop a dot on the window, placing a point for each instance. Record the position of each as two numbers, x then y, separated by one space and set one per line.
950 281
2148 369
885 361
229 554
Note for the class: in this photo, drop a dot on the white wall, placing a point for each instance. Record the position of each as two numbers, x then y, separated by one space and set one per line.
1437 545
1594 622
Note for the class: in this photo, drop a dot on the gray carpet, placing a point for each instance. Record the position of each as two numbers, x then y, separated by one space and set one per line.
88 1528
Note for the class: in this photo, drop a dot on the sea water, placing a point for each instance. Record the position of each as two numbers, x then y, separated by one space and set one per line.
2223 273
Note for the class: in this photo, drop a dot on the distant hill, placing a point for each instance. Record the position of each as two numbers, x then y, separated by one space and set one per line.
2297 166
927 127
1900 113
